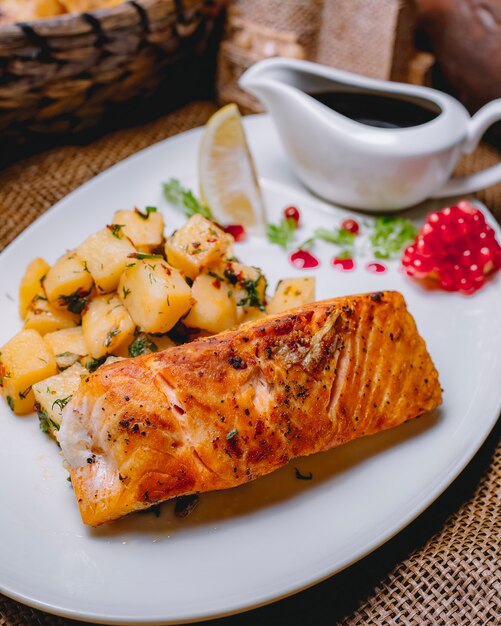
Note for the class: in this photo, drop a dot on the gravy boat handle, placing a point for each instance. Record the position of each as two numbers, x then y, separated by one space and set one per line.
479 123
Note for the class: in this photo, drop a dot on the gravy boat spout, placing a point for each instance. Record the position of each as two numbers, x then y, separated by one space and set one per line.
357 159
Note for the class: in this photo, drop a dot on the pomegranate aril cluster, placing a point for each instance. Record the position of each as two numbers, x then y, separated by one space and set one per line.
456 247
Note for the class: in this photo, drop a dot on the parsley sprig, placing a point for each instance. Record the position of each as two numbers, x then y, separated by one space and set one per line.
142 344
140 256
75 302
391 235
184 199
339 236
282 233
146 214
62 402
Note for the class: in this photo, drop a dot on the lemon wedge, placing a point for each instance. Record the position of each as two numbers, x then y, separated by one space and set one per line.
228 181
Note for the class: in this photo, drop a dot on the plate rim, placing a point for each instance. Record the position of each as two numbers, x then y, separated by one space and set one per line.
440 487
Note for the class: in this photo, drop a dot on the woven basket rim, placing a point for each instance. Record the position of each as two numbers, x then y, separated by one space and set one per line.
65 19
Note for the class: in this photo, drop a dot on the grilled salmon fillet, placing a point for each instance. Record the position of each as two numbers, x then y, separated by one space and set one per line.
225 410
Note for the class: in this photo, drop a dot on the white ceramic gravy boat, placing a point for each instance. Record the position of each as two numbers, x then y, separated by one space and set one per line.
362 166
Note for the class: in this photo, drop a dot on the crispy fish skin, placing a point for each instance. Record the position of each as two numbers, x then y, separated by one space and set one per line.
225 410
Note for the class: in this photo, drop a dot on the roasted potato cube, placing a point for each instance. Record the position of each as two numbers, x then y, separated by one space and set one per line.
107 327
24 361
68 282
68 345
196 245
291 293
144 229
53 394
31 284
45 318
214 309
106 254
249 289
155 294
249 314
162 342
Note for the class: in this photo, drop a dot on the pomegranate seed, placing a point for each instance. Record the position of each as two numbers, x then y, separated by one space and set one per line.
376 268
292 212
351 226
344 265
237 231
456 247
304 260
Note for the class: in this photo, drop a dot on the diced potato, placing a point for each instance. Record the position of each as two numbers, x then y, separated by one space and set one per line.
196 245
54 393
31 284
155 294
214 309
250 314
68 345
106 254
68 282
163 342
45 318
107 327
24 361
249 289
144 229
291 293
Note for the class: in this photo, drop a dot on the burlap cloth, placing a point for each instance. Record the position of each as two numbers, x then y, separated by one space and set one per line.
442 569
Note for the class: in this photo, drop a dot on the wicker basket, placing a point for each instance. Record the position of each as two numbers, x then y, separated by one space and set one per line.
64 74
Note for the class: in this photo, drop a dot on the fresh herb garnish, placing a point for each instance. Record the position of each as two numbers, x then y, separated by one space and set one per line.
62 402
110 335
93 364
142 255
217 276
184 199
252 298
142 344
282 233
43 417
24 394
300 476
338 236
146 214
230 275
232 434
10 402
126 292
391 235
75 302
116 230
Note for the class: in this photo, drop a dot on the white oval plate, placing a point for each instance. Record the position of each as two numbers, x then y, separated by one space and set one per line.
248 546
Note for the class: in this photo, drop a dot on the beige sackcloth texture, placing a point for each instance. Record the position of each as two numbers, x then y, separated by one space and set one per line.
441 570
